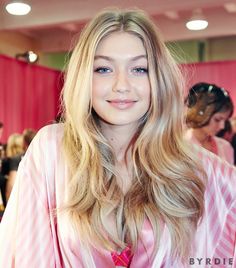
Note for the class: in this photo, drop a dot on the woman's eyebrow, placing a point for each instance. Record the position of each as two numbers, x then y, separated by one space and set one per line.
112 59
103 57
139 57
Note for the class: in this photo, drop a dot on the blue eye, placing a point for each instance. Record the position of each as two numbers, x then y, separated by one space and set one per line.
140 70
102 70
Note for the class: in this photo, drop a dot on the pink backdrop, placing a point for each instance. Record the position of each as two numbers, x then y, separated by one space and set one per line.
28 95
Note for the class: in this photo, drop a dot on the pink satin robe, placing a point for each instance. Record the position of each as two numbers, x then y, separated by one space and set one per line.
31 237
223 147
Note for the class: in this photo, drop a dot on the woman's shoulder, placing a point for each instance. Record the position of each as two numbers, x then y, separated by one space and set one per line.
222 142
48 135
217 225
53 131
42 160
225 149
213 165
46 142
221 176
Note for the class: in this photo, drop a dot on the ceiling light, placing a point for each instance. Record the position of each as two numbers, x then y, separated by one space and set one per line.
18 8
28 56
197 21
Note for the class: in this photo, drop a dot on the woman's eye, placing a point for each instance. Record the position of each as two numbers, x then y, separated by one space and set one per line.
140 70
102 70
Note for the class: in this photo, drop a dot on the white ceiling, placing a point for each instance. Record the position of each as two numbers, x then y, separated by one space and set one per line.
53 23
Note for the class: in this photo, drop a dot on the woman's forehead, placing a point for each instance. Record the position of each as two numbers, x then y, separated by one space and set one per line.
120 43
223 114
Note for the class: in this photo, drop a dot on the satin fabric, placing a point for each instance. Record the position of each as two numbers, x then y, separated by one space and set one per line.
223 148
32 236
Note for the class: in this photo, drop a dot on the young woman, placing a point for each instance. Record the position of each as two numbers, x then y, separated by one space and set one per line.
115 185
209 106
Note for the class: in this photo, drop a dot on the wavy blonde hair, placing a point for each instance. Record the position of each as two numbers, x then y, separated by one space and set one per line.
166 186
14 145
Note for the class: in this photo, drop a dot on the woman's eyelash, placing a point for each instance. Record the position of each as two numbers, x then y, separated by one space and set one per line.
140 70
102 70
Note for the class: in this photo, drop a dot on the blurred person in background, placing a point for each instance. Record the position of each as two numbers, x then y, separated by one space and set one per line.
228 134
14 152
233 141
209 107
233 124
27 136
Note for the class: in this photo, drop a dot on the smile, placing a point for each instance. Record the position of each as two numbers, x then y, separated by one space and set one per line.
122 104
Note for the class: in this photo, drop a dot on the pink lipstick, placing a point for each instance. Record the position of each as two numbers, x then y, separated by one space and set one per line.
122 104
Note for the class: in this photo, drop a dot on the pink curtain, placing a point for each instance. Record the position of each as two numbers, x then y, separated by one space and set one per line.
28 95
221 73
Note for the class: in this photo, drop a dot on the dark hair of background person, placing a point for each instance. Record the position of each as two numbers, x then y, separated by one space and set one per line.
1 125
28 135
225 130
233 143
59 119
203 101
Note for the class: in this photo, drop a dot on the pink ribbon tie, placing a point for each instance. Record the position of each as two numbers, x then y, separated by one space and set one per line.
123 259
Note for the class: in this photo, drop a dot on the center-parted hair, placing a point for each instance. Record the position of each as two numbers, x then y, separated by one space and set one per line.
166 186
203 101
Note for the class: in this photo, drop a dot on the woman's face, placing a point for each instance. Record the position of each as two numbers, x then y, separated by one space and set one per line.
216 123
121 88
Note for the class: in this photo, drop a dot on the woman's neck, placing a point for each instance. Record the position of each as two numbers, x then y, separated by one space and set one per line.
206 141
201 136
119 137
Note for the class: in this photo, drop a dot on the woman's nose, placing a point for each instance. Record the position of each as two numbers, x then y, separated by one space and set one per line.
222 124
121 83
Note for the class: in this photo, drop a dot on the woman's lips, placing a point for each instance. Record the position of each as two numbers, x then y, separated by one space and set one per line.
122 104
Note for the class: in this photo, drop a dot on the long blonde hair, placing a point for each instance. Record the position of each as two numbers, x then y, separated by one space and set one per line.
166 186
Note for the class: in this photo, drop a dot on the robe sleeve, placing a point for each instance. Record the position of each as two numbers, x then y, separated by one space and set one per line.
26 231
216 235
